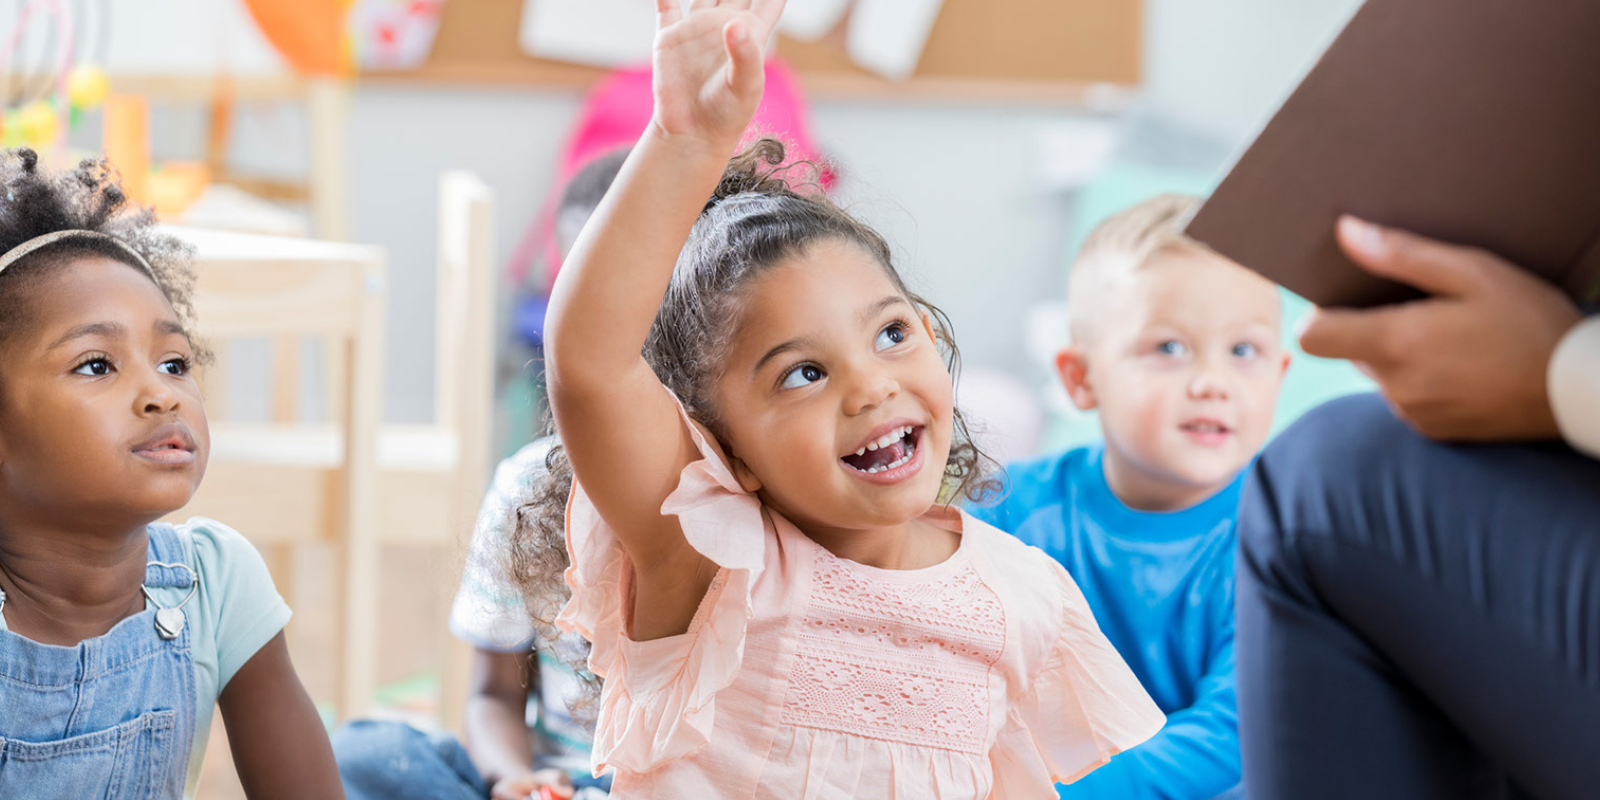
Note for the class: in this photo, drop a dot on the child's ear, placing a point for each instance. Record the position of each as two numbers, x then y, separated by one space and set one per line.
1073 367
747 479
1284 370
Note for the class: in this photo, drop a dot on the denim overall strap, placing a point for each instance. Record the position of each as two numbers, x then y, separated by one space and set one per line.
111 717
166 548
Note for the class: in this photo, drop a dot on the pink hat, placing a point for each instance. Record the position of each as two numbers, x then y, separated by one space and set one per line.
615 115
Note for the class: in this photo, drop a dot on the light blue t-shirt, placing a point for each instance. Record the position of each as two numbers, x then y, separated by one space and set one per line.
234 612
1161 587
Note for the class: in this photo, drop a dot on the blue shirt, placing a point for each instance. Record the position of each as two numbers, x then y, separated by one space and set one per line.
1161 587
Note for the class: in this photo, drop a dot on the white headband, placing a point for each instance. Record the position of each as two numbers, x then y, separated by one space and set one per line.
22 251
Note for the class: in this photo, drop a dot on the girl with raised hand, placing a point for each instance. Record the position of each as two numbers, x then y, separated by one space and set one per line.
760 444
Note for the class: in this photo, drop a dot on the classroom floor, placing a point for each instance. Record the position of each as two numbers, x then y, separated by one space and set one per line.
409 651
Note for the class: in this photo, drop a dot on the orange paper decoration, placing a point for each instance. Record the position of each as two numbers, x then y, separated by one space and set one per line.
309 34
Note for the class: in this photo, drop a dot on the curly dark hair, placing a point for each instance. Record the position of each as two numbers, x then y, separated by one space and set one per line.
34 202
758 216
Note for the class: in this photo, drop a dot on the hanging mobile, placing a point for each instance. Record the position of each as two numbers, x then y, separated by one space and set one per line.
169 621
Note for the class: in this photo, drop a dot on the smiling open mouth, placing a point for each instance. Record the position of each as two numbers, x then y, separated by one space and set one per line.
890 451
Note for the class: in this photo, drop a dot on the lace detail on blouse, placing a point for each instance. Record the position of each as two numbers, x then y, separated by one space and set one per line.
898 662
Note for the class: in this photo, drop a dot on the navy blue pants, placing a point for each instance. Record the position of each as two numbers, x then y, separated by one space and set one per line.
1417 620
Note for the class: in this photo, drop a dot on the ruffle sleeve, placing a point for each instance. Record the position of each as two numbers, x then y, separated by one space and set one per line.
658 703
1082 708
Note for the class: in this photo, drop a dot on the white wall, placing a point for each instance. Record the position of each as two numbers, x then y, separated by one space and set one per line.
1223 65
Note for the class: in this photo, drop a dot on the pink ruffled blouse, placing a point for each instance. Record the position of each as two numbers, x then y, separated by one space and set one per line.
808 676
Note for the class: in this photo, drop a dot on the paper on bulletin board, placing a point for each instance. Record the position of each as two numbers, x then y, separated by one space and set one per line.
393 34
887 36
601 33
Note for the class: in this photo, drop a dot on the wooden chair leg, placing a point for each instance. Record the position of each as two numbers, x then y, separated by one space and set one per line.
363 410
454 655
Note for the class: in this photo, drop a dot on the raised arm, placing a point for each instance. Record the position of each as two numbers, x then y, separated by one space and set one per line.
623 435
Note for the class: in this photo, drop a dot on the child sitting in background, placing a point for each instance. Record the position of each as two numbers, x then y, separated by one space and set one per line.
521 734
758 426
1179 351
119 634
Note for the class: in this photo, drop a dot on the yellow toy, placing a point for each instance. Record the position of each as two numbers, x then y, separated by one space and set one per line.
43 119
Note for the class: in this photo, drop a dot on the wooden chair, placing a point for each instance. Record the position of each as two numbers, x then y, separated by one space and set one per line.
284 482
259 286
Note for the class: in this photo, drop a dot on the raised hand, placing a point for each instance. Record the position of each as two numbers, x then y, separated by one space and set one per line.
708 67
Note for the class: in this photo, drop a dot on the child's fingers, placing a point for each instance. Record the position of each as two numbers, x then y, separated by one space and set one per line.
745 73
1432 266
698 5
668 12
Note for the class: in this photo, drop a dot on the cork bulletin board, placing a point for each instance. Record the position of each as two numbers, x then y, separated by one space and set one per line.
1044 50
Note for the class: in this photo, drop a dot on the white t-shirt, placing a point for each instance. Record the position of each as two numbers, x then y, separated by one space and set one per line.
489 613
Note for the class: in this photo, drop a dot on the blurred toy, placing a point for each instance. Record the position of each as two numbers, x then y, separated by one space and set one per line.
88 86
43 105
312 35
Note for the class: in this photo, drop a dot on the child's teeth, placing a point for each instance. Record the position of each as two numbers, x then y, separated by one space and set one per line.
872 446
861 452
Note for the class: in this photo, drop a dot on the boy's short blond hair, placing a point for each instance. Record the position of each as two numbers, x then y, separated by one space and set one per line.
1121 245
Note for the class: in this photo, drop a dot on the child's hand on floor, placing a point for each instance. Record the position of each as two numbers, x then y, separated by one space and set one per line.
709 70
524 787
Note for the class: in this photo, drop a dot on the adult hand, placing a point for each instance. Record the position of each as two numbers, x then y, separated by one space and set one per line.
523 787
1468 363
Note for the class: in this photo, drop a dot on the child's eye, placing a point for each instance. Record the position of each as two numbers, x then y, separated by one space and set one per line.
800 376
94 367
1172 347
176 366
1246 350
890 336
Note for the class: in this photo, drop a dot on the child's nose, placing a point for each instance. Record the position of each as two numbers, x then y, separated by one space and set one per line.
156 397
871 390
1208 383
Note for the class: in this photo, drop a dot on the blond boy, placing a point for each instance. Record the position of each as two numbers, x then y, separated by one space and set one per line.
1178 350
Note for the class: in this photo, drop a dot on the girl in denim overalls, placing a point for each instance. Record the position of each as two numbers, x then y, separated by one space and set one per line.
117 633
